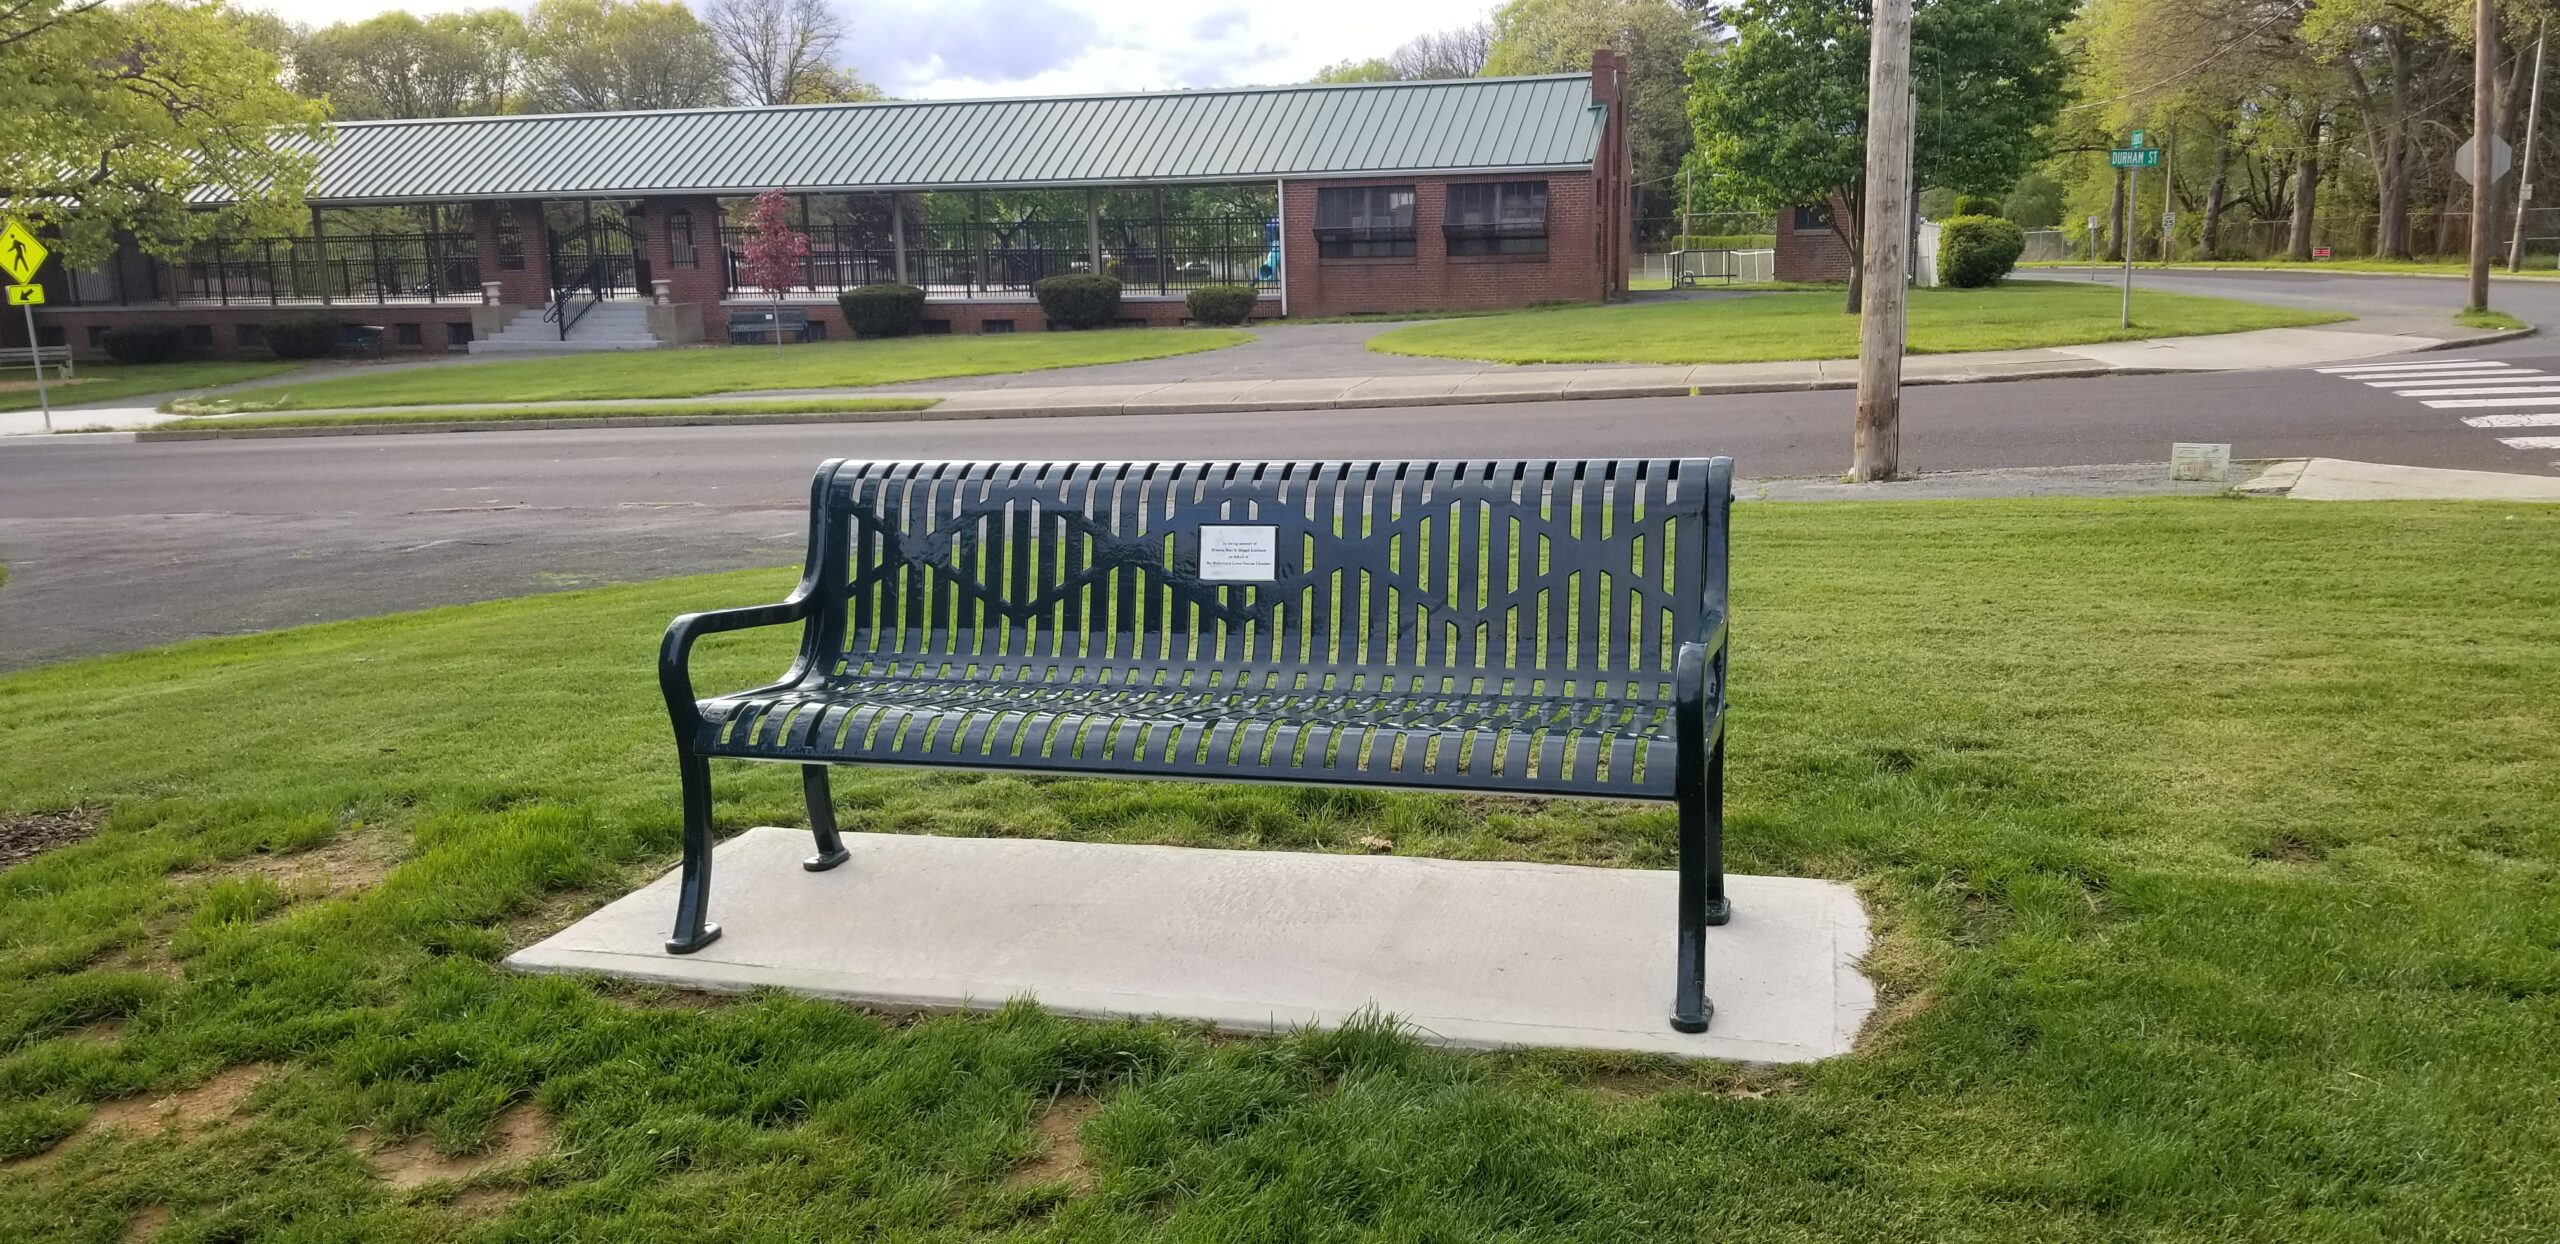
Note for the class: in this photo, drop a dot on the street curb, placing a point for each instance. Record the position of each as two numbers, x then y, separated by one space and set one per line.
943 414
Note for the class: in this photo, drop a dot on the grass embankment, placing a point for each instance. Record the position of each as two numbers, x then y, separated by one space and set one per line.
743 369
1760 329
2211 845
529 414
100 382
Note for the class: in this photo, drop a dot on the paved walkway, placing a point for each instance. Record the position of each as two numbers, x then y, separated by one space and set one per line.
1284 369
2336 479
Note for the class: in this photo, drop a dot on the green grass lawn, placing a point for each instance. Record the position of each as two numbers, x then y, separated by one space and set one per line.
741 369
1766 328
98 382
2211 846
522 414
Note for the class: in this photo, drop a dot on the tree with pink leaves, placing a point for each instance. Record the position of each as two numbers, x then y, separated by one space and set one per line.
775 252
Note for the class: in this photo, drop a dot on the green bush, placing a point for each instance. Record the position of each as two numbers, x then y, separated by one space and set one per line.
1974 251
146 343
1078 300
305 336
1976 205
1223 304
885 310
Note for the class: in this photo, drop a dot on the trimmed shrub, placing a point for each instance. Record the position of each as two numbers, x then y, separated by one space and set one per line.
1079 300
1222 304
305 336
884 310
146 343
1976 205
1974 251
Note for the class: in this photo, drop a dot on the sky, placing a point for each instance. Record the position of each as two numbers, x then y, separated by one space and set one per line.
951 49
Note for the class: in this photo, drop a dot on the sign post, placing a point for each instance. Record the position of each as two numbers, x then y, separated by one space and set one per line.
2133 160
21 255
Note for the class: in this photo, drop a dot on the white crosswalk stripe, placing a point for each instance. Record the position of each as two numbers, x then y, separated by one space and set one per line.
2470 384
2357 367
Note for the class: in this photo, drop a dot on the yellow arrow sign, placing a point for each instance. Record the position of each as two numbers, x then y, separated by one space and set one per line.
20 253
26 295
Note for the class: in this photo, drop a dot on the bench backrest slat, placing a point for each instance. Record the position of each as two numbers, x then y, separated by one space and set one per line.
1518 578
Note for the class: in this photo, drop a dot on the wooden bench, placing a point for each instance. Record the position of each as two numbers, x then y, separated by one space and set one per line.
56 357
1521 628
757 327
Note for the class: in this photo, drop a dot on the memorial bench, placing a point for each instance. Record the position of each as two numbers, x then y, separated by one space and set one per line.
56 357
1517 627
748 327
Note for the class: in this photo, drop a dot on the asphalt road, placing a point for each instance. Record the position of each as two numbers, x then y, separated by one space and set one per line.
113 547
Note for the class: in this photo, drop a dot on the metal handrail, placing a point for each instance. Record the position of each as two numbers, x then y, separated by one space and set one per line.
593 282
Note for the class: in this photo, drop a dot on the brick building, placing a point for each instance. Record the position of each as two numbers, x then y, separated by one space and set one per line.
480 232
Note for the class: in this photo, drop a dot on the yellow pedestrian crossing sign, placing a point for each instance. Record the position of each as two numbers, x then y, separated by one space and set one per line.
20 255
26 295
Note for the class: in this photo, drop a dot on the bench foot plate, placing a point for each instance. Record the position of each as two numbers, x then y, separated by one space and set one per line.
685 946
1719 911
821 863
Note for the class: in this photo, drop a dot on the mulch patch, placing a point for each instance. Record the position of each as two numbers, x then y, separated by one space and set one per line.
23 835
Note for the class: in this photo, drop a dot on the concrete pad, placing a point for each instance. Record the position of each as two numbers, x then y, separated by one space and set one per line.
1638 381
1400 390
2266 347
1307 393
1470 954
2336 479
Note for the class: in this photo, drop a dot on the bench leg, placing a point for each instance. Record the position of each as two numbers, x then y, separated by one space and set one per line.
822 819
693 888
1702 897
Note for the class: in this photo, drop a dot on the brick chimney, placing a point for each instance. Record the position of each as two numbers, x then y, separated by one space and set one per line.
1613 173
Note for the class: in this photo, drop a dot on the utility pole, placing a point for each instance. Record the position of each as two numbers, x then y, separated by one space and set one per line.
2484 141
1886 222
2524 170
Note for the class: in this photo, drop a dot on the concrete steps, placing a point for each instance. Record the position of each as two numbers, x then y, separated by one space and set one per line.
605 326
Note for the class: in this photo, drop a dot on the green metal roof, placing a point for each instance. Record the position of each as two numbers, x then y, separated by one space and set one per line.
1461 125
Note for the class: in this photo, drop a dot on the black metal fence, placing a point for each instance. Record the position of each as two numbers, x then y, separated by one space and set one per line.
374 268
962 259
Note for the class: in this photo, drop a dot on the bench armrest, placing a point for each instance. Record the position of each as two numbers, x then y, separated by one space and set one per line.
1694 664
675 652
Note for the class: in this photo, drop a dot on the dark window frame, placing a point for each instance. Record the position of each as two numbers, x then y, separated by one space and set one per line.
1812 220
1509 219
1365 222
510 239
681 251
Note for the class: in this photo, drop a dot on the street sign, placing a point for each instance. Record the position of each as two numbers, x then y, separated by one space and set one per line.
26 295
20 253
2134 157
2168 220
2501 158
2319 252
2139 137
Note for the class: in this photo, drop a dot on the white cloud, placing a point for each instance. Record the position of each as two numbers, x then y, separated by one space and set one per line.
946 49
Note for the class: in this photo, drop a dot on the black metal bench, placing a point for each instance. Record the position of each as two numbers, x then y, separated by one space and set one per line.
1533 628
757 327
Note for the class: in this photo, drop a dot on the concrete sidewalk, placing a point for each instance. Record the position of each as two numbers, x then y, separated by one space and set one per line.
2337 479
1466 384
1472 954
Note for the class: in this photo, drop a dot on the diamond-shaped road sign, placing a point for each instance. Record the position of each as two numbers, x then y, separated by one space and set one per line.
2501 158
20 253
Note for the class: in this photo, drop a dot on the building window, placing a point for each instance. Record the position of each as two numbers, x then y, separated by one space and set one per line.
457 335
1364 222
1497 218
510 240
409 335
97 336
1813 219
249 336
680 251
199 336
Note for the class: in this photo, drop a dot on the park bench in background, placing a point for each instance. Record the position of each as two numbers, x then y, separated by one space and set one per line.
751 327
56 357
1522 627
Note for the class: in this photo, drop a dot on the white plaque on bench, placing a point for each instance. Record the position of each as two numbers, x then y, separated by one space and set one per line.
1239 554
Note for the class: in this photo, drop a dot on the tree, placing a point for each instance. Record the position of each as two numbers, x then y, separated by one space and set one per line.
1374 69
776 49
1781 112
1657 38
1458 52
400 66
118 116
831 86
613 55
775 252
